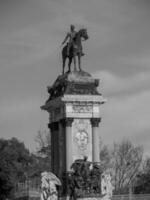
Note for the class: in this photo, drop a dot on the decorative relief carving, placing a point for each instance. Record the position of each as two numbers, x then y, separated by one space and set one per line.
81 136
81 124
81 139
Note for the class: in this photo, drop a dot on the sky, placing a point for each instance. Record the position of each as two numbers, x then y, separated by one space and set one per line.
117 52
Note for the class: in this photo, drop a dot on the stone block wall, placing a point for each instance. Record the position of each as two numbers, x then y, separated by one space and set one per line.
132 197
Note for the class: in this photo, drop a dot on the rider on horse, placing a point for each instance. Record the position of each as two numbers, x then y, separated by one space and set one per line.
70 36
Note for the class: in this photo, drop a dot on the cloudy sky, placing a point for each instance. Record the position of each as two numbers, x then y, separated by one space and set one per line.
117 52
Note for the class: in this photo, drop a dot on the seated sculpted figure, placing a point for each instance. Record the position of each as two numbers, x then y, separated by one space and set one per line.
48 186
106 186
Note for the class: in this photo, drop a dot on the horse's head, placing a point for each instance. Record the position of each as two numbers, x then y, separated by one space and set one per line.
83 33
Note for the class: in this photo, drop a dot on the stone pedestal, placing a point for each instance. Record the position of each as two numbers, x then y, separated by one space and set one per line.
74 116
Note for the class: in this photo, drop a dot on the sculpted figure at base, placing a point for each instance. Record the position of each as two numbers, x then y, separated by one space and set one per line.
106 186
73 47
48 186
84 180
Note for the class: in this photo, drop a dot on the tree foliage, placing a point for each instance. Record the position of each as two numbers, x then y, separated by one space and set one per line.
127 159
43 141
105 157
14 165
142 183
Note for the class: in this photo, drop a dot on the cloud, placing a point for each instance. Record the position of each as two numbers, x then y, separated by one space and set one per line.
113 84
117 52
127 117
115 31
29 42
22 119
141 60
126 113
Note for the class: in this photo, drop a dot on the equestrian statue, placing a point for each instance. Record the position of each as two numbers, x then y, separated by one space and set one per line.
73 48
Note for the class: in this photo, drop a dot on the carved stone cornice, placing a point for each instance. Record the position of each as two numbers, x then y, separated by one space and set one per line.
75 83
50 125
66 122
95 122
53 126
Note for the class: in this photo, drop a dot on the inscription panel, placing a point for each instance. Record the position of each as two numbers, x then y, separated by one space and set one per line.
82 108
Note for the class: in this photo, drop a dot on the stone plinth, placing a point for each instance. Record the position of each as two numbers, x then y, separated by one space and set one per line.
74 115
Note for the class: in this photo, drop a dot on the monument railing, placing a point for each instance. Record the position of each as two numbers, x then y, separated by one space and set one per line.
27 188
33 188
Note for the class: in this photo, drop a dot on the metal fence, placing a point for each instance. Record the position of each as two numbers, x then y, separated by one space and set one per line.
27 188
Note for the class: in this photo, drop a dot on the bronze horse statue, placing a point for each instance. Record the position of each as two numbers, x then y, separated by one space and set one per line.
74 50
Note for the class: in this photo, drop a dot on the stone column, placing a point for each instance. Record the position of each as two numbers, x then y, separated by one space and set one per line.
50 126
54 146
95 139
62 149
68 124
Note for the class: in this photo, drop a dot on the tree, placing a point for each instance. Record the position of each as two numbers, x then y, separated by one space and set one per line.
105 157
15 161
43 141
127 159
142 184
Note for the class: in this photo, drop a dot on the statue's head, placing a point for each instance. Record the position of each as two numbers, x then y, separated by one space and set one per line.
72 27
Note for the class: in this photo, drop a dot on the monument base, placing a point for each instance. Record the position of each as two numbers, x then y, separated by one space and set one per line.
87 198
95 198
74 116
